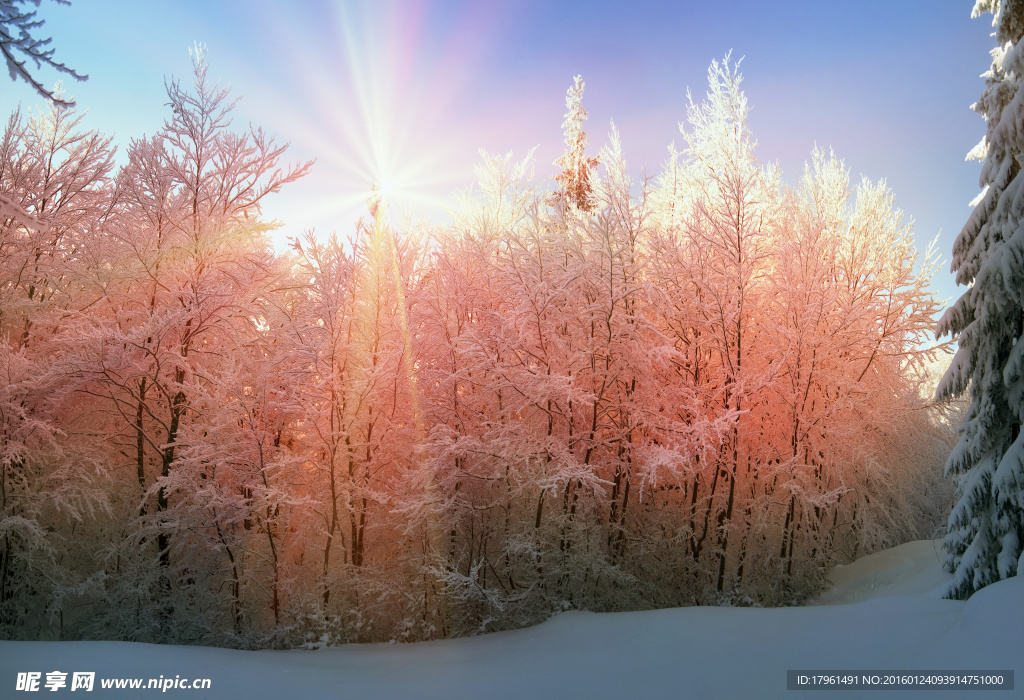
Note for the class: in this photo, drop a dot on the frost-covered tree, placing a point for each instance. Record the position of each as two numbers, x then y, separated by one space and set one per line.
54 192
173 334
730 227
986 528
794 319
575 163
54 187
17 28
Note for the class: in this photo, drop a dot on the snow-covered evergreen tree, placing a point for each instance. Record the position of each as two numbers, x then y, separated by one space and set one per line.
986 528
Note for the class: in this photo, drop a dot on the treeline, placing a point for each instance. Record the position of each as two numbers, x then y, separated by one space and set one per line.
701 390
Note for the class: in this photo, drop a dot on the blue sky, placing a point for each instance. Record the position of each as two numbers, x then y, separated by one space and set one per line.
411 90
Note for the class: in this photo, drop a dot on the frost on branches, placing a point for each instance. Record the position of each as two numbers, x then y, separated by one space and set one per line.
986 527
576 165
17 26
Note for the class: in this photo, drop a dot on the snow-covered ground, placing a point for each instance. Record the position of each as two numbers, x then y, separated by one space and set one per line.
884 613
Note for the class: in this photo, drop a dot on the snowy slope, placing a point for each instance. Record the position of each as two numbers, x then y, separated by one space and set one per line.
912 569
884 613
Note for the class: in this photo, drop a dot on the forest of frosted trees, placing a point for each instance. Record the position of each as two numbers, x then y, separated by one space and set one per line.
602 394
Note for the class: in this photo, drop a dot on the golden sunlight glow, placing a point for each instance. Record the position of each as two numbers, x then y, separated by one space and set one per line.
384 111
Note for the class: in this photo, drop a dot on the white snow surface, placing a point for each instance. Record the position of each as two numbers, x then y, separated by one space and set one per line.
884 613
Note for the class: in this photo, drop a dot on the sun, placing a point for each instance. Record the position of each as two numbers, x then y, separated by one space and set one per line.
383 112
376 94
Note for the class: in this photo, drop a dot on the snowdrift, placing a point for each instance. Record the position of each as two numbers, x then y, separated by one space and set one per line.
884 613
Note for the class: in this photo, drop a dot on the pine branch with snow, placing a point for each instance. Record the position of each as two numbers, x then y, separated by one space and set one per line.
17 40
986 528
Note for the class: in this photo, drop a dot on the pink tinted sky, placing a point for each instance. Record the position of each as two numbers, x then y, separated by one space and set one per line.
409 91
